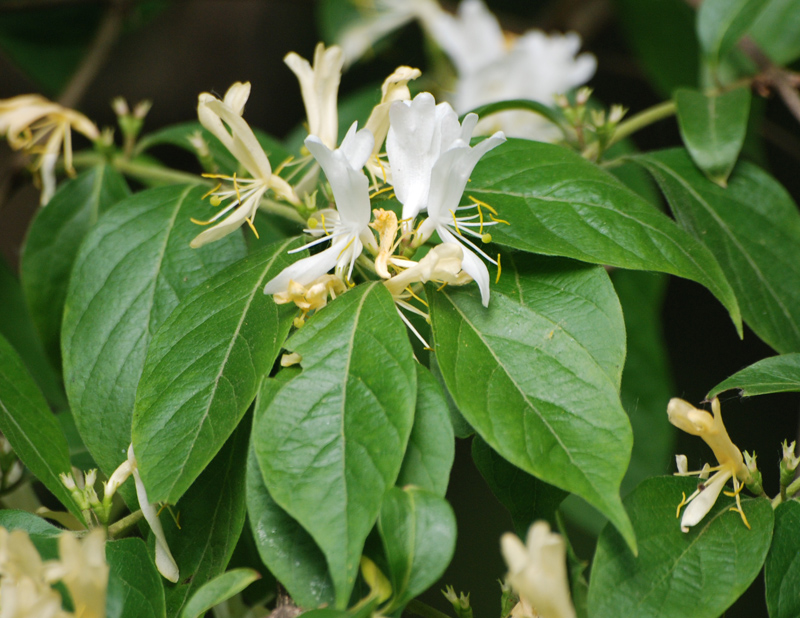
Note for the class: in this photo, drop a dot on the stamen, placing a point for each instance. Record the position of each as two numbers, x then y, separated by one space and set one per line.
198 222
496 220
478 202
455 223
384 190
499 270
410 291
681 505
283 164
252 227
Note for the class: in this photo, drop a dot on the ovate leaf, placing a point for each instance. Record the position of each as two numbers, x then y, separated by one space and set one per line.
134 584
721 23
203 368
676 574
782 568
558 203
219 589
332 439
777 374
777 30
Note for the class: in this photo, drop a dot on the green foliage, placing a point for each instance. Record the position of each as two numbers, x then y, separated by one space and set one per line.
721 23
776 30
219 589
134 585
782 568
776 374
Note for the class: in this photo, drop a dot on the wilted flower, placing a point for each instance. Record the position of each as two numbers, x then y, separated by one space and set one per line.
537 571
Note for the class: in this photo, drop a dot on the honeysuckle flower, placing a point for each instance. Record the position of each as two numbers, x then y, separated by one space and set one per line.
731 463
537 571
43 129
442 264
349 225
312 297
83 569
493 66
245 194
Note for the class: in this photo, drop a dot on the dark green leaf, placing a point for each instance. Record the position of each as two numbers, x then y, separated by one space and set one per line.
43 534
782 568
79 455
211 516
332 439
753 229
777 30
461 428
532 385
526 497
219 589
31 428
203 368
418 529
431 446
713 128
134 585
696 574
52 245
721 23
133 268
777 374
558 203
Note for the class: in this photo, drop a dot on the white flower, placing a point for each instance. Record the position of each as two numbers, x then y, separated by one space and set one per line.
350 222
492 67
538 571
83 569
245 195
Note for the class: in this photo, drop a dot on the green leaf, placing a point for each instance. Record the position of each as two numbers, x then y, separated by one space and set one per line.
133 268
43 534
721 23
753 229
418 529
79 455
332 439
696 574
31 428
558 203
52 244
777 30
431 446
203 368
134 584
218 590
782 568
531 384
713 128
211 516
776 374
526 497
461 428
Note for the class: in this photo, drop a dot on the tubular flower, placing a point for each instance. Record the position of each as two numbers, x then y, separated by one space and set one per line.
537 571
42 129
246 193
350 222
84 571
731 463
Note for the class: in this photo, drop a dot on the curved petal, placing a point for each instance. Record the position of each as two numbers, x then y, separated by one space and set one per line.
306 270
232 222
470 264
243 143
701 505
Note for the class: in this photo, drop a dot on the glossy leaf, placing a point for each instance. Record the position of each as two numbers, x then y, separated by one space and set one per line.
52 244
776 374
131 271
777 30
698 574
721 23
31 428
431 446
557 203
134 584
753 229
418 529
531 386
203 368
713 128
211 516
218 590
782 568
331 441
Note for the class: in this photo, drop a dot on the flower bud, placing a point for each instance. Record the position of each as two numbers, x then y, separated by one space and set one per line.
755 484
788 464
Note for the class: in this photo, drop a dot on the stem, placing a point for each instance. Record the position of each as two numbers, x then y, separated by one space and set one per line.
633 124
418 608
124 524
792 489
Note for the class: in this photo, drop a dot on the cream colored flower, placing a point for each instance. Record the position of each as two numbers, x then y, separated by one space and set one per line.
310 297
537 571
43 129
83 569
711 429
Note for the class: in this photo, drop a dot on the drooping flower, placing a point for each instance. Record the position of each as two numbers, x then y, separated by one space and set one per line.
731 463
537 571
244 195
43 129
349 225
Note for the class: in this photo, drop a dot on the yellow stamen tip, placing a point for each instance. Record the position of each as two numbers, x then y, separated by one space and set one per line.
215 200
486 238
313 223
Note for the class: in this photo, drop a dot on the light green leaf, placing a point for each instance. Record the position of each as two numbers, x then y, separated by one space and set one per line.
721 23
431 446
203 368
43 534
782 568
31 428
776 374
532 386
134 584
753 229
696 574
713 128
558 203
131 271
332 439
777 30
218 590
52 245
418 529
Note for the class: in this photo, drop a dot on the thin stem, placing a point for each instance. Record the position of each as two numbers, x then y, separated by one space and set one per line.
124 524
792 489
633 124
418 608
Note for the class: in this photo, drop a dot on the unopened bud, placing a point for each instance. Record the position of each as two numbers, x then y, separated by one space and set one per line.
755 483
120 106
583 95
141 109
460 603
561 101
616 114
598 117
788 465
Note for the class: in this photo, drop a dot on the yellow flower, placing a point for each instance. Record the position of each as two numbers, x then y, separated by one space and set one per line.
43 129
83 569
